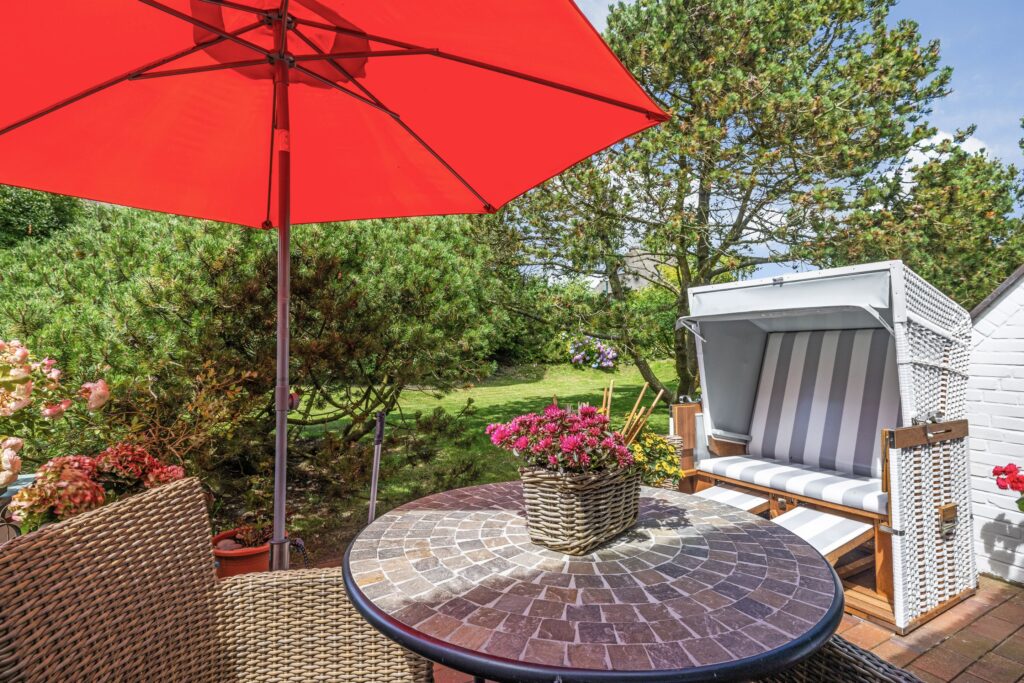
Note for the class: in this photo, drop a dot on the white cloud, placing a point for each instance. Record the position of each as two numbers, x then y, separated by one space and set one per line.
918 156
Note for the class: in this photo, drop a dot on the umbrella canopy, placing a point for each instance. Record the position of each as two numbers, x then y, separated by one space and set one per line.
427 108
268 112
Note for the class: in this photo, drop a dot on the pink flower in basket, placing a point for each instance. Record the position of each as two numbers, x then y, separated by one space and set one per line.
563 440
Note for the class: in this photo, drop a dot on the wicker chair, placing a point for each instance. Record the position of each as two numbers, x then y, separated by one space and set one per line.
127 592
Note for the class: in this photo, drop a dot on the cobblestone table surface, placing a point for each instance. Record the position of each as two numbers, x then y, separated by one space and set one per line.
696 588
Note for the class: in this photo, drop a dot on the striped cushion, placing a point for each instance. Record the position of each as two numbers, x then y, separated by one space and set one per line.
826 533
824 397
856 491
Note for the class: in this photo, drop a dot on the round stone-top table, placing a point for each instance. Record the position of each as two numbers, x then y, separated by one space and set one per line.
697 590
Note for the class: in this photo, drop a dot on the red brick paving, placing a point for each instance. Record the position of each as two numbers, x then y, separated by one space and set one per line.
979 641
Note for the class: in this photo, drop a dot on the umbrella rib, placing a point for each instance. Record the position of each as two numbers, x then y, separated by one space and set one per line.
198 69
364 53
656 115
233 37
121 79
377 104
488 207
333 62
267 223
331 84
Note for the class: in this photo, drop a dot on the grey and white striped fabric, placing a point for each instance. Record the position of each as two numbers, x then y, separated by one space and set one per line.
824 397
852 490
826 533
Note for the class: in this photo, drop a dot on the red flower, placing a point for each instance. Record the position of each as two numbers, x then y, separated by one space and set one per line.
1002 483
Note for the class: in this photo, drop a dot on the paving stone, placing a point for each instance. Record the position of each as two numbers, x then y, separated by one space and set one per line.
970 643
1011 611
896 652
866 635
968 678
994 627
996 669
1012 648
943 662
926 676
722 586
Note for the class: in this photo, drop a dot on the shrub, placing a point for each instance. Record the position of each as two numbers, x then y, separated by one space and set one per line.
179 314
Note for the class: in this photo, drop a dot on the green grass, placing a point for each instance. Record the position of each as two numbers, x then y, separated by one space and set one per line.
471 459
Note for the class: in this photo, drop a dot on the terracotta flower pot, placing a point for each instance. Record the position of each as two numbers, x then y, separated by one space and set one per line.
240 560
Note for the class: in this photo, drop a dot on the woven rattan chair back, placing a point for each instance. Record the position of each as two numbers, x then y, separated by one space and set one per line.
127 592
124 592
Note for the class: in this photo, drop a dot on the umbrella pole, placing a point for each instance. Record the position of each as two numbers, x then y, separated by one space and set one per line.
279 542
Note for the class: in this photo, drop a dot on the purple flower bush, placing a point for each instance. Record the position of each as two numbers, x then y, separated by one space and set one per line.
563 440
591 352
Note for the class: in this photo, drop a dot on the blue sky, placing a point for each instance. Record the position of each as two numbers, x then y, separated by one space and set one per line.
981 40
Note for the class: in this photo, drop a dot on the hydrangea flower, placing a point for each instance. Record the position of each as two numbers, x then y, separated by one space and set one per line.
69 485
592 352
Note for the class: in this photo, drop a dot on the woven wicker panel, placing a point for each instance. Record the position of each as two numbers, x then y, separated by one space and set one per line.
299 626
574 513
927 301
931 568
121 593
840 661
928 568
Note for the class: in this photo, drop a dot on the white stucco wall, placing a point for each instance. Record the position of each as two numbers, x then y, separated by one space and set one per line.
995 406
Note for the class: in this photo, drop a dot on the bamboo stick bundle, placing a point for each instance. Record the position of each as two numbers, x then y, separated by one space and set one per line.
640 420
606 398
632 415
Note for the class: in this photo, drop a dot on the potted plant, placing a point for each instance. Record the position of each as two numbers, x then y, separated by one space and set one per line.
242 550
580 486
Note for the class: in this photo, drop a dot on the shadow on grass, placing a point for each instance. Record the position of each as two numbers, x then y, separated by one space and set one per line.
519 374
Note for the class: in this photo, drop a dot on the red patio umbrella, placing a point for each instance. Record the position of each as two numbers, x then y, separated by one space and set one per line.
268 112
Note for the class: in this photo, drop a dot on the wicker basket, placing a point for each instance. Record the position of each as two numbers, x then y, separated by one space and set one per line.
573 513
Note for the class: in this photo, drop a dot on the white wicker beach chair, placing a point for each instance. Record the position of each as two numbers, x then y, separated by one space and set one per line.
841 393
